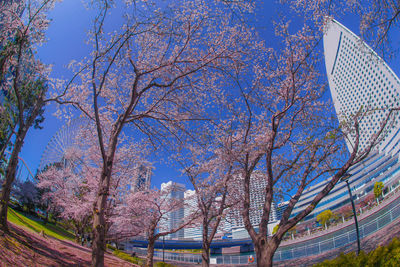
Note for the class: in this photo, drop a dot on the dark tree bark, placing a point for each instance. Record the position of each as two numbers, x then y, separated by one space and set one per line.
205 254
13 161
150 252
99 221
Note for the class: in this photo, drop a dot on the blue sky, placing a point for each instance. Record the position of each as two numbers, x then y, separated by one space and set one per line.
66 41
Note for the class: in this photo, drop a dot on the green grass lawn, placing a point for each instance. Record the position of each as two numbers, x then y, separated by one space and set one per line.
37 226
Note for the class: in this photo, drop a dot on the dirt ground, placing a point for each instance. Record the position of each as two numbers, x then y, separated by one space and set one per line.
24 248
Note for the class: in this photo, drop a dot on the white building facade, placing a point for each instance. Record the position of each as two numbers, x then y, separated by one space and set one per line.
175 191
359 80
257 197
191 232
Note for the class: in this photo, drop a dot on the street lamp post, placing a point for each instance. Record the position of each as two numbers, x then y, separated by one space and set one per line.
163 245
345 178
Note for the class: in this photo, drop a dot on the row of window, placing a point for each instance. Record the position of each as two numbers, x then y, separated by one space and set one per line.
359 79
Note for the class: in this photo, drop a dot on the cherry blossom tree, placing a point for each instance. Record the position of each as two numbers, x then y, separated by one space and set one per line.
23 79
210 173
379 19
70 193
71 185
153 73
285 131
146 213
26 192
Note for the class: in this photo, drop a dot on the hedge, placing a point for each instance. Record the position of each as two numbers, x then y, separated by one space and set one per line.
382 256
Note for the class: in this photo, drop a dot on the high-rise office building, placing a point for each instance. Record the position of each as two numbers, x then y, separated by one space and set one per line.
257 196
360 80
143 180
195 231
173 218
281 209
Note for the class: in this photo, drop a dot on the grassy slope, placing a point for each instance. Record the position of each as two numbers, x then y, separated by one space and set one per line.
18 245
23 247
38 226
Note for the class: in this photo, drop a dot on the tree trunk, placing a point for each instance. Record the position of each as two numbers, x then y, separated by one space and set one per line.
46 218
9 178
150 253
23 128
265 252
76 236
99 229
205 256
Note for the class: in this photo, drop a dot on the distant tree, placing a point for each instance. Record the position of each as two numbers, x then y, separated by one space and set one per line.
44 204
23 81
325 217
27 194
70 186
154 73
70 194
368 200
346 211
214 193
302 227
146 213
292 231
378 189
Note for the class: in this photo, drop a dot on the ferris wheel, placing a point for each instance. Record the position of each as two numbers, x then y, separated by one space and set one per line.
62 140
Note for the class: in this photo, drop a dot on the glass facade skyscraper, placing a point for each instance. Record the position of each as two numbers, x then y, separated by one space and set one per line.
174 218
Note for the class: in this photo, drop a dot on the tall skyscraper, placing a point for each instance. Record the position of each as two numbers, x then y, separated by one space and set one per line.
257 196
143 180
175 191
360 80
193 232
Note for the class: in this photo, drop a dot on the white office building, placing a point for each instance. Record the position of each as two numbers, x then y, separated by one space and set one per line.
195 231
174 218
281 209
257 197
359 79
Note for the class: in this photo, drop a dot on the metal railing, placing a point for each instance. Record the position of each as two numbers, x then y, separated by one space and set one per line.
342 237
329 241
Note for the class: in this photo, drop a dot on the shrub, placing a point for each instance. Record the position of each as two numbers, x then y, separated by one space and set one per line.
386 256
111 247
127 257
164 264
276 227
